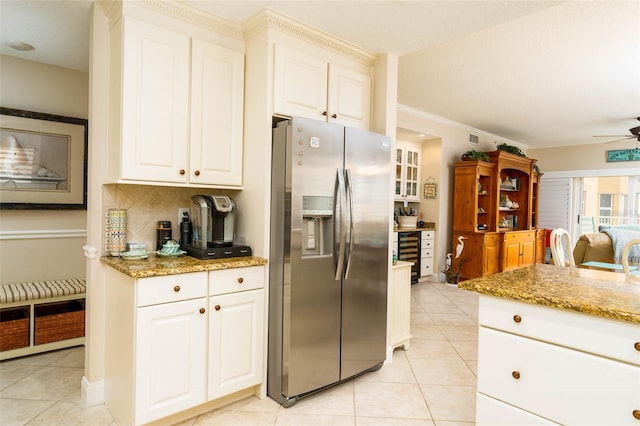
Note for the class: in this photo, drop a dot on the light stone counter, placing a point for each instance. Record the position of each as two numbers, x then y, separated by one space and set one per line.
155 266
599 293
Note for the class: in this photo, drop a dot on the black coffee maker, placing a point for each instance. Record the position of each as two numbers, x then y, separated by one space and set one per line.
213 227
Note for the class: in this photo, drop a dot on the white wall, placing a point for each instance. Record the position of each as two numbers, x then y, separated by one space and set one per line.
53 90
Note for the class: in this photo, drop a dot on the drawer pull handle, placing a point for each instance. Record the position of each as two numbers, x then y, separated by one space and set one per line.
240 280
636 414
217 307
515 374
197 173
176 288
517 318
182 171
202 310
637 346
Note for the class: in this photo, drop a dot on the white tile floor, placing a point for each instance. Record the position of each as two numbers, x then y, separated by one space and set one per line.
433 383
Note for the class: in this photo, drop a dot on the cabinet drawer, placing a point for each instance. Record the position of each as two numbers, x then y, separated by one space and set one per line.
171 288
426 252
610 338
491 412
426 266
236 279
560 384
428 235
428 244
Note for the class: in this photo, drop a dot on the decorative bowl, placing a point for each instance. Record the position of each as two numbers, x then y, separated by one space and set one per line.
407 221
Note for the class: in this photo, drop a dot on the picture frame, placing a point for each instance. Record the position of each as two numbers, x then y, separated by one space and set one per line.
43 161
430 188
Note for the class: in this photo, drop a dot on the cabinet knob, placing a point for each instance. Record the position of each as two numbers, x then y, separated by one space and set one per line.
202 310
324 113
637 346
636 414
240 280
334 116
517 318
217 307
176 288
182 171
197 173
515 374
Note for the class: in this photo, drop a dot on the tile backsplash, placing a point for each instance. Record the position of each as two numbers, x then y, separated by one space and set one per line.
147 204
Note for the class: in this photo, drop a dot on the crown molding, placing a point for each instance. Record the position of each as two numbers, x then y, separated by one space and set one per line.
176 9
269 19
445 121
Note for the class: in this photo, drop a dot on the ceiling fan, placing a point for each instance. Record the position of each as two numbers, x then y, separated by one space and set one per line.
634 133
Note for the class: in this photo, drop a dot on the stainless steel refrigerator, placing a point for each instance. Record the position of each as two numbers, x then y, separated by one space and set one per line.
330 208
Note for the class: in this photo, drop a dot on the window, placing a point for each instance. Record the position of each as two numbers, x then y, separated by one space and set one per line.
605 209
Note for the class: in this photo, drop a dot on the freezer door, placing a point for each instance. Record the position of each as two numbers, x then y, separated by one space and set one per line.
311 332
364 290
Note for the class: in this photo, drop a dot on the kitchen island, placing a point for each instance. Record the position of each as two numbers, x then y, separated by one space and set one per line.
557 345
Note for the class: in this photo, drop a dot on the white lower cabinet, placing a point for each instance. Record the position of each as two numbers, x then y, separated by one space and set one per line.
426 253
170 358
235 342
178 341
527 368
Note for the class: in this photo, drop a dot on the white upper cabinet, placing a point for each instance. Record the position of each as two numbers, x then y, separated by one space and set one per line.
155 103
217 93
407 179
181 110
309 86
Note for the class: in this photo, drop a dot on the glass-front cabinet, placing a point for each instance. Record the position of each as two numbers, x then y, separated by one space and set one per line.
407 181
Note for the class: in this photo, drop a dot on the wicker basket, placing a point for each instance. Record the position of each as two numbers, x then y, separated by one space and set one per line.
59 321
14 328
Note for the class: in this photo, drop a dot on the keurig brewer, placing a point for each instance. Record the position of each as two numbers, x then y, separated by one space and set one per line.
213 226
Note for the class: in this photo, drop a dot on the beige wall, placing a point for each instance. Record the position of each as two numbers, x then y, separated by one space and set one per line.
42 244
581 157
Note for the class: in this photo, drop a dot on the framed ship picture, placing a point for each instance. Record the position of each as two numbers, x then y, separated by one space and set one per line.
43 160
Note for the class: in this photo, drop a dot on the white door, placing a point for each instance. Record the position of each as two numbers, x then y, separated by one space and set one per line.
217 93
170 358
300 84
155 103
349 97
235 342
407 172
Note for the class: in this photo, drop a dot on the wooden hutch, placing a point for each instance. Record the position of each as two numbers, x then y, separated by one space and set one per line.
495 215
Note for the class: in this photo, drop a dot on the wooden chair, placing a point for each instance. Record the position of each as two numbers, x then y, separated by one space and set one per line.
625 260
558 254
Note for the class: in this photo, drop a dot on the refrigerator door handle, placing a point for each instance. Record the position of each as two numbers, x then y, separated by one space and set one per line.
351 221
339 221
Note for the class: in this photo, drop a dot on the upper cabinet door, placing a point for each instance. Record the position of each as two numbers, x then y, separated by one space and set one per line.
311 87
349 97
407 172
300 84
155 103
217 93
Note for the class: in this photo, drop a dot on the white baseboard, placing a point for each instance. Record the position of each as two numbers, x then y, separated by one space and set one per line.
92 393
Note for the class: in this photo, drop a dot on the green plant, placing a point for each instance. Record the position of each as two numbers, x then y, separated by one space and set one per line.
511 149
476 155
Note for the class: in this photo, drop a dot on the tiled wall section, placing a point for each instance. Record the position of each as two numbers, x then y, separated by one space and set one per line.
146 205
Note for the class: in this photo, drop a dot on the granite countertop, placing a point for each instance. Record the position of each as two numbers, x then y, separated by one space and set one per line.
155 266
599 293
427 227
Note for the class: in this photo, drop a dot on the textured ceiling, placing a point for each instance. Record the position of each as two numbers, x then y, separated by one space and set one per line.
542 73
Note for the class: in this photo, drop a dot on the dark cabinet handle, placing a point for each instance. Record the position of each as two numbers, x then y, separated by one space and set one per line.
202 310
197 173
515 374
182 171
217 307
636 414
637 346
517 318
324 113
176 288
334 116
240 280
